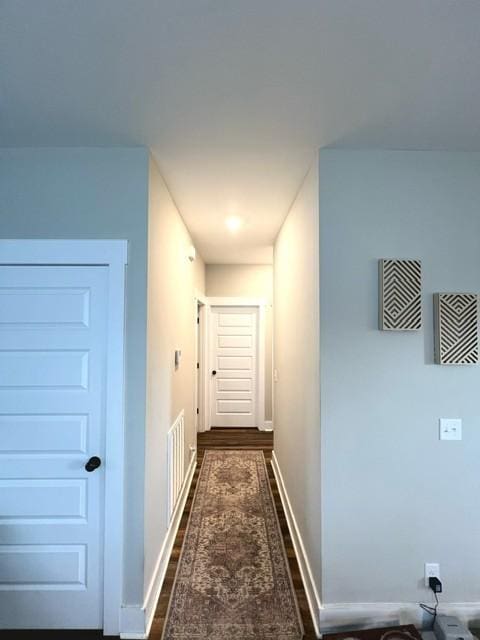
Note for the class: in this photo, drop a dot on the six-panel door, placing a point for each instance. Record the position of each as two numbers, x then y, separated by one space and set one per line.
52 407
233 358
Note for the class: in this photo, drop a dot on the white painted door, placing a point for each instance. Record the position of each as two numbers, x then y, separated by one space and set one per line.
233 362
52 397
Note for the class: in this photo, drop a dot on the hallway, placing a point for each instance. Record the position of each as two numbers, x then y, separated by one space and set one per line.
246 439
215 439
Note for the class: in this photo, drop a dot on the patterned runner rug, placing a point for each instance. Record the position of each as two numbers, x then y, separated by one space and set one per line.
233 580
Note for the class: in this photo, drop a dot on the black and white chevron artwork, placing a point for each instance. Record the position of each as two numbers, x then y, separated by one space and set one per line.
400 295
456 328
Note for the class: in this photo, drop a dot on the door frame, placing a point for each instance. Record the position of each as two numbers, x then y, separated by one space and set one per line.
260 304
199 402
114 255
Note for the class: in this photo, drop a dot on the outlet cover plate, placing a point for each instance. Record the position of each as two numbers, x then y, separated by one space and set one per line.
450 429
432 570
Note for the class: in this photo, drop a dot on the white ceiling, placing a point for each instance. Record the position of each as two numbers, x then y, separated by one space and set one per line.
234 96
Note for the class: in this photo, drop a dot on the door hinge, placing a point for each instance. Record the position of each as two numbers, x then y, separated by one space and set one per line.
198 365
198 411
198 320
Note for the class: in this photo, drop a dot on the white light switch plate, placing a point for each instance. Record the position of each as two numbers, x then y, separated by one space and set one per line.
450 429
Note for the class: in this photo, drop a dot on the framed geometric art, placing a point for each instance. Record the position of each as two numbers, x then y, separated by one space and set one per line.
456 328
400 295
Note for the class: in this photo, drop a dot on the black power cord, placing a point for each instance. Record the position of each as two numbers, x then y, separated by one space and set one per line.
436 586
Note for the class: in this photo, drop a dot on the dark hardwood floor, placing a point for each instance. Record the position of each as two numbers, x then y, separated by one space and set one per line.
214 439
233 439
228 438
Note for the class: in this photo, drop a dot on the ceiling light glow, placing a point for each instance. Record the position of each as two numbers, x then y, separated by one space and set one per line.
233 223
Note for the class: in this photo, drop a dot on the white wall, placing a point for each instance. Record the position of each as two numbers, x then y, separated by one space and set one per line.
247 281
172 282
94 193
296 358
394 496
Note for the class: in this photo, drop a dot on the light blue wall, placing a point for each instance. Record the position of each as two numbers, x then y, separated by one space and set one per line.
94 193
394 496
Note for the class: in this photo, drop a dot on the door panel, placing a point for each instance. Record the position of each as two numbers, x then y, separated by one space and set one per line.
234 332
65 306
41 501
233 319
34 434
52 385
237 363
233 342
235 406
43 369
43 567
234 384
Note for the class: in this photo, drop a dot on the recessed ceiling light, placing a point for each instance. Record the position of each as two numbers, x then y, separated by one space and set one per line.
233 223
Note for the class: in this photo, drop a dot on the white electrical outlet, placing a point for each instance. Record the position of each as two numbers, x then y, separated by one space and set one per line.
432 570
450 429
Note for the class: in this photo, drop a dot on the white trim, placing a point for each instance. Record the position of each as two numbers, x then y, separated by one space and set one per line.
267 425
68 252
155 586
113 254
232 301
196 371
362 615
137 621
261 366
200 311
175 463
236 302
132 622
207 319
202 314
311 591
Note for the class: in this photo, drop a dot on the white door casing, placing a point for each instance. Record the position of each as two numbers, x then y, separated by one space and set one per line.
234 371
200 403
61 402
197 400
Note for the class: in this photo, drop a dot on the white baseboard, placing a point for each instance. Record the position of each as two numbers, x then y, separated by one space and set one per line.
267 425
153 592
362 615
302 559
132 622
136 622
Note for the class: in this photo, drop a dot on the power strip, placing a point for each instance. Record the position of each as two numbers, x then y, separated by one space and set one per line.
450 628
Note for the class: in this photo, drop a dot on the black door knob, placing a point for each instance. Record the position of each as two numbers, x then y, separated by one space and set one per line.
214 373
93 464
